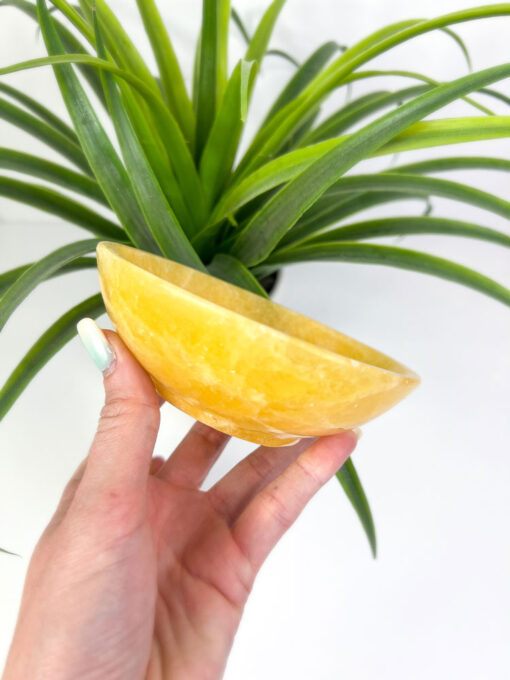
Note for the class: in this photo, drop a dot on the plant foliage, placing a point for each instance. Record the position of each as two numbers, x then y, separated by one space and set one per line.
179 187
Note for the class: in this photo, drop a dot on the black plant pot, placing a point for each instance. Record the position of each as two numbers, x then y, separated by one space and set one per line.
270 281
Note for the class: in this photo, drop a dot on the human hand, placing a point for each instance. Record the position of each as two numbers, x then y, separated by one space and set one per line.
140 574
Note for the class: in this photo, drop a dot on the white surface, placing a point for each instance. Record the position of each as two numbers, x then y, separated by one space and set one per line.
436 603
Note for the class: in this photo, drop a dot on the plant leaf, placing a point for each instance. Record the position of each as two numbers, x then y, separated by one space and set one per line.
278 215
160 218
268 141
453 163
40 111
46 133
70 42
399 226
351 484
52 172
207 75
304 75
240 25
257 46
172 80
40 271
396 182
428 133
283 55
174 143
48 344
391 256
330 209
463 47
231 270
9 277
222 143
357 110
57 204
222 62
8 552
108 169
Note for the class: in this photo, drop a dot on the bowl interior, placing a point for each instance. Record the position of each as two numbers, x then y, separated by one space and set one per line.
257 308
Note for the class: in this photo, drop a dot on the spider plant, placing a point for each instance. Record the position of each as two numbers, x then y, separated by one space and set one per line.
179 188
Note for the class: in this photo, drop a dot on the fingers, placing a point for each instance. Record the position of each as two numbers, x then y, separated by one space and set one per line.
192 460
156 464
277 506
236 489
120 455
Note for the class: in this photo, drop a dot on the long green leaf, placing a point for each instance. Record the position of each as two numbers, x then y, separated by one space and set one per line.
447 131
423 134
351 484
172 80
157 156
160 218
257 46
222 143
9 277
174 143
47 346
40 271
69 40
240 25
46 133
364 253
8 552
51 172
357 110
304 75
103 159
399 226
41 111
271 138
278 215
284 55
222 60
462 45
331 209
230 269
118 42
453 163
206 102
396 182
52 202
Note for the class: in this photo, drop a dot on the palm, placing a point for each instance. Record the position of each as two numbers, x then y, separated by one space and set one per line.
203 579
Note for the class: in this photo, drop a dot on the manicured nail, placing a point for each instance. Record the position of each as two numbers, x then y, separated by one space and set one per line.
357 432
96 344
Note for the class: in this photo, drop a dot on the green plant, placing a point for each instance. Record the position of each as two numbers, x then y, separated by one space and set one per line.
178 188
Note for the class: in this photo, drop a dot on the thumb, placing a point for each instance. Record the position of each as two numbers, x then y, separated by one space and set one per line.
122 449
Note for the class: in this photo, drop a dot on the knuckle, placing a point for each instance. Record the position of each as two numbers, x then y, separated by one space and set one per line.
117 410
261 464
278 510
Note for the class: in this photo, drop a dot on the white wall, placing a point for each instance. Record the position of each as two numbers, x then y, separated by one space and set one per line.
436 602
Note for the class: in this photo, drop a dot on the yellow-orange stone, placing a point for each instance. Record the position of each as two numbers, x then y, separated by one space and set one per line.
238 362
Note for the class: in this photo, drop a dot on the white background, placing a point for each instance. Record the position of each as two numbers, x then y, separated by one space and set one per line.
436 602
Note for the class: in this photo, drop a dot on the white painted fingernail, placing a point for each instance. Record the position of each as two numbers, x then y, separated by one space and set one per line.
357 432
96 344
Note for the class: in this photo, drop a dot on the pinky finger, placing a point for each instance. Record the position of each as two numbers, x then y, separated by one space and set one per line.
274 509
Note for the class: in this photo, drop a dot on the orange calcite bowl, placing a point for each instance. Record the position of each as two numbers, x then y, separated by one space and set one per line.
238 362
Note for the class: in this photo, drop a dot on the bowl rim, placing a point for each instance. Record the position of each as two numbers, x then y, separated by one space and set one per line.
114 247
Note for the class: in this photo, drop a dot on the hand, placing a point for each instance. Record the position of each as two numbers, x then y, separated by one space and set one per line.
140 574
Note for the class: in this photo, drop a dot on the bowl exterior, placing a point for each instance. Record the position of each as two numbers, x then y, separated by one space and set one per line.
235 374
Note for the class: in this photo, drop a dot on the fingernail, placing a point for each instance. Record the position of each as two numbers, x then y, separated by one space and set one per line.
96 344
357 432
